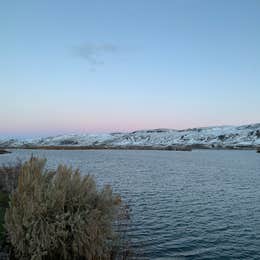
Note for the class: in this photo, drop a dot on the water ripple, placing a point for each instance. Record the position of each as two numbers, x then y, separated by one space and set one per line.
198 205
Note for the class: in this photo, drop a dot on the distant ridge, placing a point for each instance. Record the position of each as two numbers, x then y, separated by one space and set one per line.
236 137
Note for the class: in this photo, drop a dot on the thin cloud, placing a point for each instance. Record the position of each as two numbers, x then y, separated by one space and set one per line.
94 53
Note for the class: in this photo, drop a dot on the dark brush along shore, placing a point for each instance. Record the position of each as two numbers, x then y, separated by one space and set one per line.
132 147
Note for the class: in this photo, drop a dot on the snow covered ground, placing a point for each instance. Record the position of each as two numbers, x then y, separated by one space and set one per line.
210 137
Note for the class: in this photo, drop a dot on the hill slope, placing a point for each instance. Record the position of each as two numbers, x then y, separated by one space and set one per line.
246 136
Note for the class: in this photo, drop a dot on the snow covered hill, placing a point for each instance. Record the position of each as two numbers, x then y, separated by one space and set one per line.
246 136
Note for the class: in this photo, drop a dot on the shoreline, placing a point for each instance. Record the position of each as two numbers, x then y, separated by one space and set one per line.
156 148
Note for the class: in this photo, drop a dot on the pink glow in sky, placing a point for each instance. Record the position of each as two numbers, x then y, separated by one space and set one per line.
128 65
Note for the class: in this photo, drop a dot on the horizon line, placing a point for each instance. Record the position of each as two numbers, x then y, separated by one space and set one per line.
17 136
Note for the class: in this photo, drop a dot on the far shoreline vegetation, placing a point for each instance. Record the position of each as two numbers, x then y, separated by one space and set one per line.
6 150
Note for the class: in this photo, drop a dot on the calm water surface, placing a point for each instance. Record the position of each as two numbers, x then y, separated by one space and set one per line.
202 204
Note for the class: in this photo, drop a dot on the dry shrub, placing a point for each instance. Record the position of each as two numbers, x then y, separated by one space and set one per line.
61 215
9 176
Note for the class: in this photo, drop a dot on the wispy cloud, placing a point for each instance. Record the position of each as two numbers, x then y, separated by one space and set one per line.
94 53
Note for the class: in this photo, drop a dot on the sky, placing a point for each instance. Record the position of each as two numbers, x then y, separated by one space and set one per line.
106 66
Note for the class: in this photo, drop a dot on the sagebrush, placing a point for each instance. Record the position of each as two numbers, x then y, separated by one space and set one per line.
9 176
61 215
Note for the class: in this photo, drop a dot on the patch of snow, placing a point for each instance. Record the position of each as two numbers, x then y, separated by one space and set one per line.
217 136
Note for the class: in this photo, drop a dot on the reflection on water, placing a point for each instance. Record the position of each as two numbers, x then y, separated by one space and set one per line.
203 204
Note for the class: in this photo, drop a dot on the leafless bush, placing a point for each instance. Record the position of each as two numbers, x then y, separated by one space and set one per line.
9 176
61 215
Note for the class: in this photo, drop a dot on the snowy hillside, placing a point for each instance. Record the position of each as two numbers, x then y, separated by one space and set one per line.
209 137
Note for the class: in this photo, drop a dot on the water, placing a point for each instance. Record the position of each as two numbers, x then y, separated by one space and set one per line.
203 204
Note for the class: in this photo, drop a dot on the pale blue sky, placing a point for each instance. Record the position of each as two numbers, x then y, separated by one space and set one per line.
101 66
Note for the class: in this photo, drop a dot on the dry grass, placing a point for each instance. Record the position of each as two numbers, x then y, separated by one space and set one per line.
9 176
61 215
